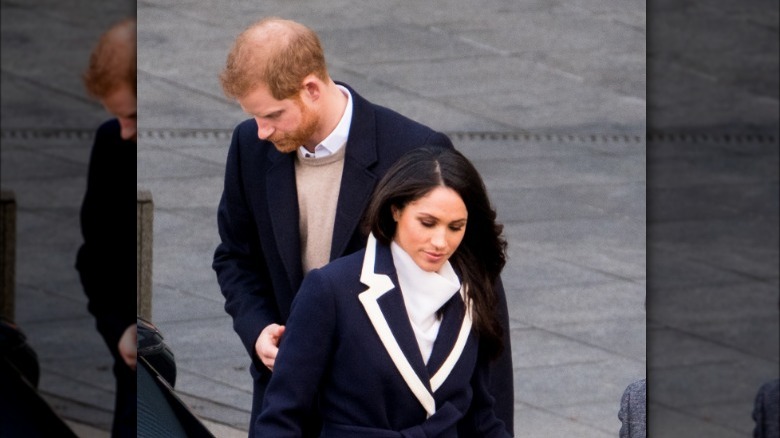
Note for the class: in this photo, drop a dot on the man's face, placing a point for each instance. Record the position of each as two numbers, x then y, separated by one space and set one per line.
121 103
287 123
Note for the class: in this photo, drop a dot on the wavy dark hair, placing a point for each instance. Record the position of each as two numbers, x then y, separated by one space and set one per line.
482 253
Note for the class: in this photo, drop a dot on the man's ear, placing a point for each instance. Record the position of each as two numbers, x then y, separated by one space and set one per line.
311 87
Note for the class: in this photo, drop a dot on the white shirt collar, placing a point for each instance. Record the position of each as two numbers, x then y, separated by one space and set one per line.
424 293
338 137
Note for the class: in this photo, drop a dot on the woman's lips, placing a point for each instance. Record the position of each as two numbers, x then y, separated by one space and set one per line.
433 256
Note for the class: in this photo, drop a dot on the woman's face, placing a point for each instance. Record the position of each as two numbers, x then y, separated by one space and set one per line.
431 228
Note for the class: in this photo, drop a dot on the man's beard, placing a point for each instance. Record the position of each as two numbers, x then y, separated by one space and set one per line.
291 142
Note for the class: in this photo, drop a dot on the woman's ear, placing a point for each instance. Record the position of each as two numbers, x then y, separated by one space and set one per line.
396 212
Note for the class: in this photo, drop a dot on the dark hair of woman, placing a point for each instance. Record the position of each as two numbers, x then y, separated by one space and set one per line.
482 253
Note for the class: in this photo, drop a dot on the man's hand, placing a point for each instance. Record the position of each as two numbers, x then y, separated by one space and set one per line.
267 345
128 346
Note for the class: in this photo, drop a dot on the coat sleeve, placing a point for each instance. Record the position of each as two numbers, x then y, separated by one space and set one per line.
239 261
501 383
305 354
481 419
104 260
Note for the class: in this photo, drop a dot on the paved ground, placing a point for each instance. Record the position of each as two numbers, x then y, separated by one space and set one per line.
712 207
547 98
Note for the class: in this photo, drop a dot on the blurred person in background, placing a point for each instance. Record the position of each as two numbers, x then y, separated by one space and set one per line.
105 260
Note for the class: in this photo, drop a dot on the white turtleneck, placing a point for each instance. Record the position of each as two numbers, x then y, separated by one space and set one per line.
424 294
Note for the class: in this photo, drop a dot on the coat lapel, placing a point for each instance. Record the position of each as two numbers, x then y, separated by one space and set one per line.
357 181
394 312
386 310
282 198
379 285
458 346
448 333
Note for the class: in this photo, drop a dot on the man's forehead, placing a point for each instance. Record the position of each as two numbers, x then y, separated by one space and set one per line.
260 99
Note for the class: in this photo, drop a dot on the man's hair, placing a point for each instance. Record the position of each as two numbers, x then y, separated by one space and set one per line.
274 52
112 63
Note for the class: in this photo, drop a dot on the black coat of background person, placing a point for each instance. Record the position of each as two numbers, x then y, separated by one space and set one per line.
106 260
23 412
766 411
258 262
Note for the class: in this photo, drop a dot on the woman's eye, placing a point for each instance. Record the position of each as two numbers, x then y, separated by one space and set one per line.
456 228
427 224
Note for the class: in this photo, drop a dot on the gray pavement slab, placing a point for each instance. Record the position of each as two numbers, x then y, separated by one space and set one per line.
719 301
621 336
677 422
99 417
626 263
757 336
713 300
717 383
575 383
692 349
542 422
558 304
416 106
80 389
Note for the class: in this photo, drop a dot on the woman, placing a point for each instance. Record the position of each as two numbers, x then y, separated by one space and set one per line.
394 341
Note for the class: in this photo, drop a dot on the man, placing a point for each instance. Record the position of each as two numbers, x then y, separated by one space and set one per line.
105 260
298 176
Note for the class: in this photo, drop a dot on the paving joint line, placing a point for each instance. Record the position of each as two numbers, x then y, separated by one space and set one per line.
714 342
524 135
556 413
580 341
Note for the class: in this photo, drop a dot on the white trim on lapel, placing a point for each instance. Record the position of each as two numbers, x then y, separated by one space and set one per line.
463 335
378 285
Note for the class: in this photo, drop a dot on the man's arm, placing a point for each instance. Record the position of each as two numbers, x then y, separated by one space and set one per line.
239 261
105 260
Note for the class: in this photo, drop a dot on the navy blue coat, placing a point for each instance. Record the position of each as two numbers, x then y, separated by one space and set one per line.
349 342
105 259
258 262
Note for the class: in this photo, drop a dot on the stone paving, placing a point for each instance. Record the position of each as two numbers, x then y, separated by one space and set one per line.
547 98
712 204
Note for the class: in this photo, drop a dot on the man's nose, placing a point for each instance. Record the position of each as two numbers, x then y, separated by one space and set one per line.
127 128
264 129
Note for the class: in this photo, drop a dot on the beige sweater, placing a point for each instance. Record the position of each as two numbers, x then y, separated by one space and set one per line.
318 181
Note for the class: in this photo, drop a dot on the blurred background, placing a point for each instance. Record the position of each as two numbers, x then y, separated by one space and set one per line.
47 125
